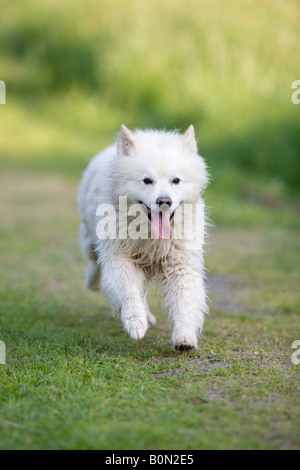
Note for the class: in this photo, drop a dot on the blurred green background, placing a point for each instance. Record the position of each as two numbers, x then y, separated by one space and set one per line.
76 70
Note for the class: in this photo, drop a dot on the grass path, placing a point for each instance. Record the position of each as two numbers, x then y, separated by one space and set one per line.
73 378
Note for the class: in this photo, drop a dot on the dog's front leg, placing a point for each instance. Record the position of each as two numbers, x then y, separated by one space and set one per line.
185 298
124 284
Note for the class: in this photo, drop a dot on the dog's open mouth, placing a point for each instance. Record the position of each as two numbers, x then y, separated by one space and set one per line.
160 221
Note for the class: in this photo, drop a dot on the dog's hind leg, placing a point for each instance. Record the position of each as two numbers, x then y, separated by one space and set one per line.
93 276
150 317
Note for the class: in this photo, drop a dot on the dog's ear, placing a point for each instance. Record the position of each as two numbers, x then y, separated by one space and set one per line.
189 140
125 141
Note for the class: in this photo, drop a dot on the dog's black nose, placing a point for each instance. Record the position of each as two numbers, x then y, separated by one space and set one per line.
164 200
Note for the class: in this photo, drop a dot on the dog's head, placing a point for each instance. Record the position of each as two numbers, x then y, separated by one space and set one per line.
159 170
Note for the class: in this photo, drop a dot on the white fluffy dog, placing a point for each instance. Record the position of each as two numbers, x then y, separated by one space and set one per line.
155 174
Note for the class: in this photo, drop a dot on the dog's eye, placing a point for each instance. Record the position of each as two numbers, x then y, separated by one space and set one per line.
148 181
176 181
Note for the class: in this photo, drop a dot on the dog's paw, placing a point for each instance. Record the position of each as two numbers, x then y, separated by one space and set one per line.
185 342
136 327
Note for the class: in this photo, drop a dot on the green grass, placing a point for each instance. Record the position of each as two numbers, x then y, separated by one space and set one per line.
73 378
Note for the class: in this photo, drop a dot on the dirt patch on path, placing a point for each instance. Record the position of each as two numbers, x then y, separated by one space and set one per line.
197 366
224 291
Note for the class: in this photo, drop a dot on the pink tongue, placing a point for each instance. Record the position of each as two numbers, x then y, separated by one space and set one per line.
161 224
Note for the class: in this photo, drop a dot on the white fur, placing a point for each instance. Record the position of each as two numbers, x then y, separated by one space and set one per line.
123 267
